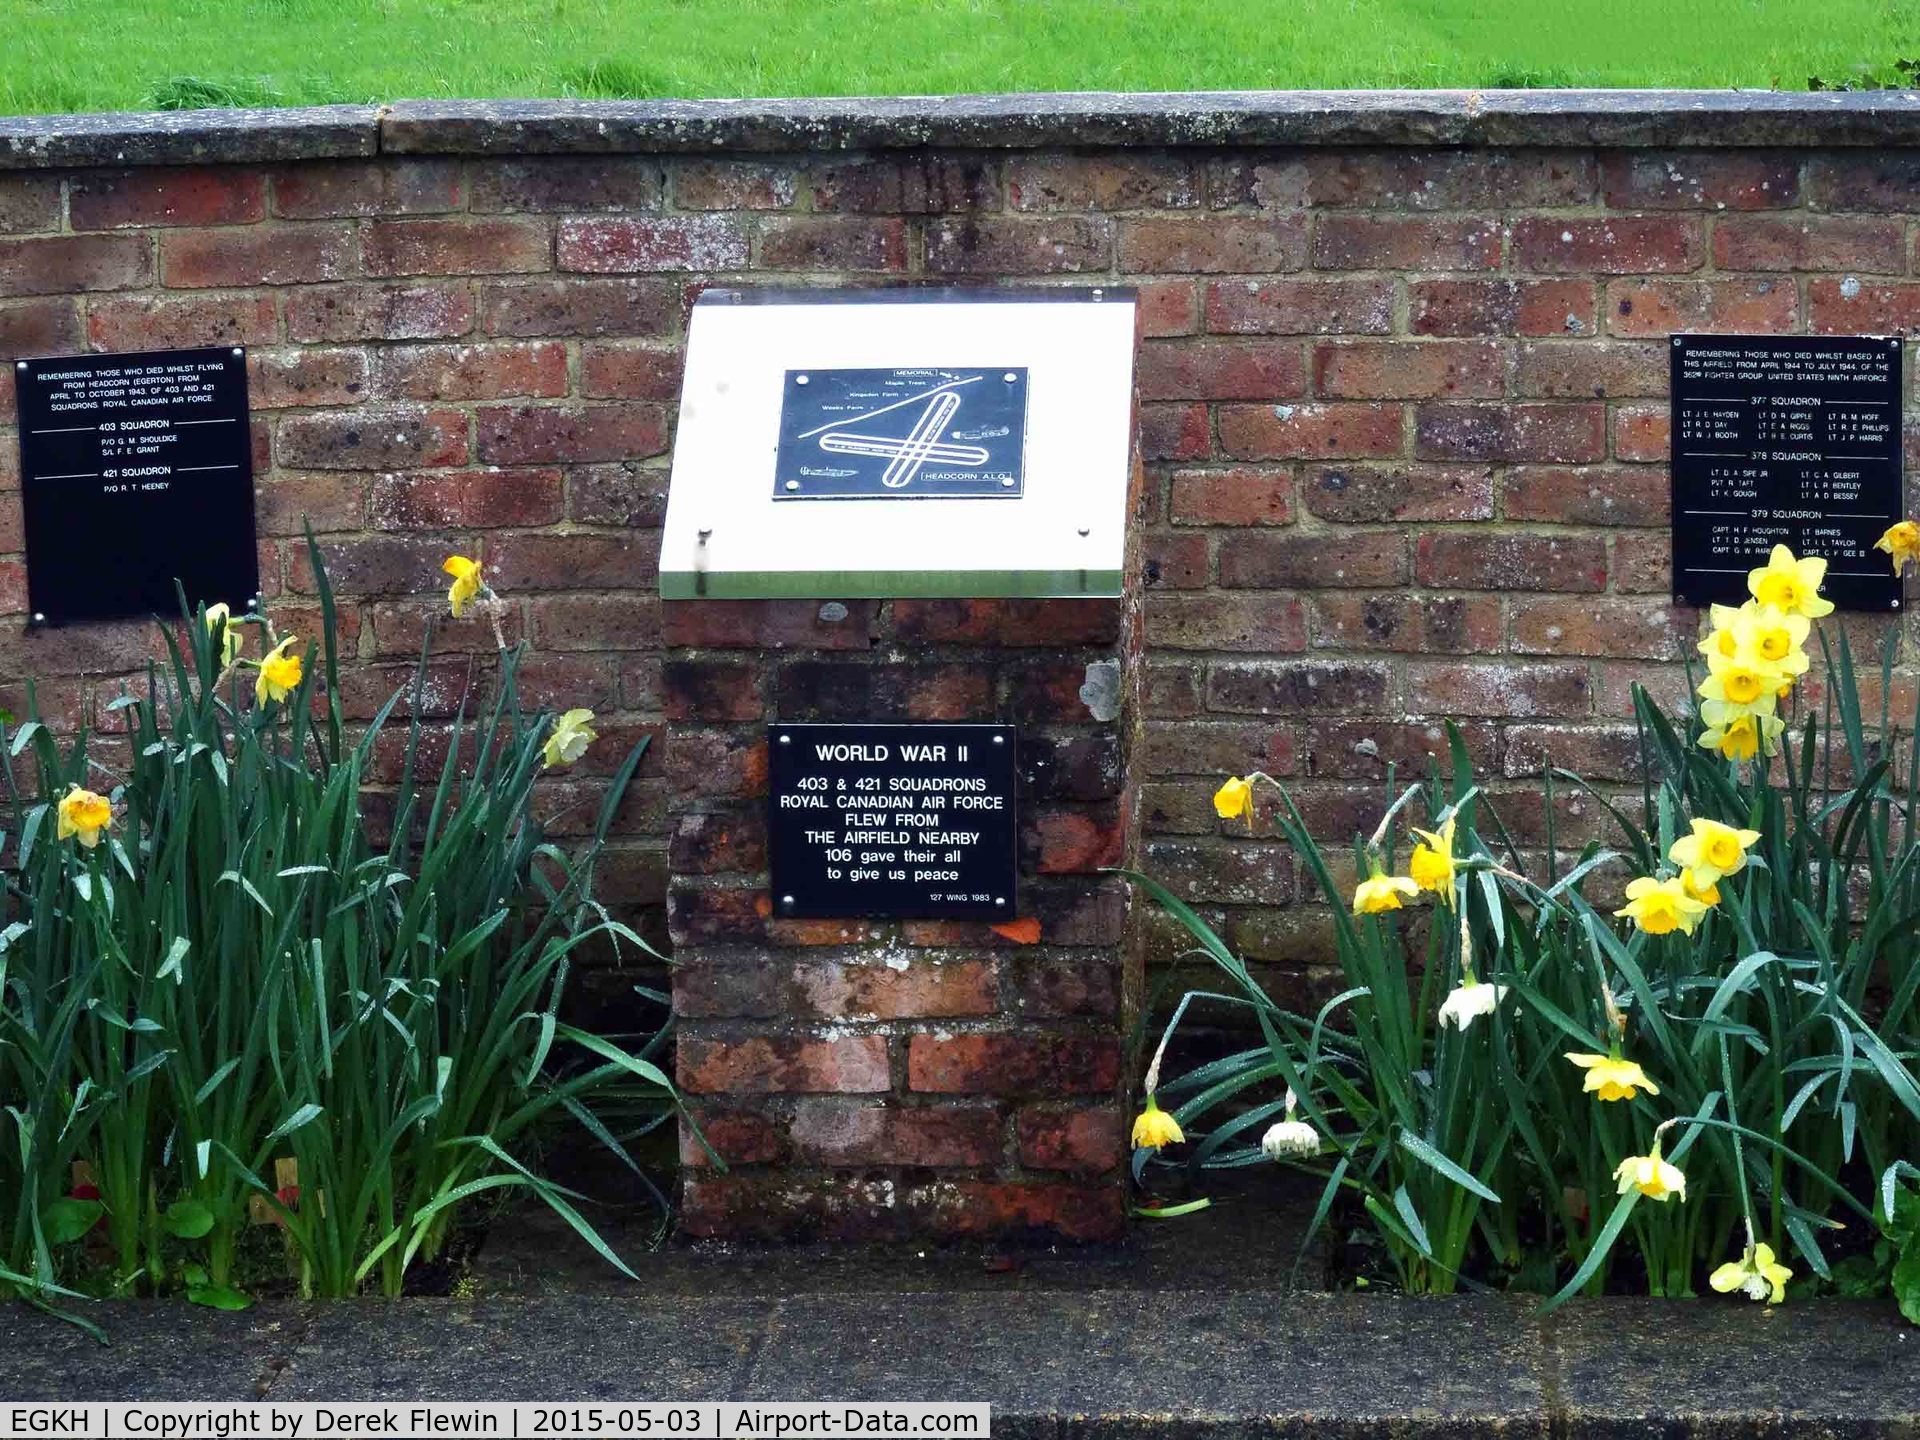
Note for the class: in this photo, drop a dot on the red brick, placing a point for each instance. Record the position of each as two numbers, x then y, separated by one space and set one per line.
1590 369
282 255
1078 841
1258 623
456 247
1614 245
1300 307
465 499
1168 307
1007 622
128 199
1659 307
29 203
75 264
1364 749
703 689
1810 242
738 1137
1366 242
390 565
670 243
850 1065
1107 180
1700 179
833 242
1221 370
1511 561
1348 560
1591 752
708 765
290 379
285 504
1081 1140
734 184
1012 1064
1432 179
829 1133
1607 496
1225 874
1213 244
925 182
386 439
182 322
1500 307
1418 624
570 434
541 184
336 313
613 370
1299 687
340 189
1875 179
580 307
1522 690
1408 370
1216 747
1640 432
39 327
1849 307
1175 432
1643 564
1375 494
713 842
1023 246
1631 629
1305 432
766 624
1547 434
626 561
1236 497
1258 182
471 372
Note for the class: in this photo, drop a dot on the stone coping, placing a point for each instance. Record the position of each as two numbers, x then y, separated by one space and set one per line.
1628 118
1117 1365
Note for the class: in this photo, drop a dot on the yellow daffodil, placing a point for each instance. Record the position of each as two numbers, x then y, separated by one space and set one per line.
280 673
1381 892
1742 683
1660 907
1791 585
1154 1128
1712 852
1612 1078
1469 1001
572 733
1741 737
1652 1176
1756 1274
1777 638
1902 542
1431 865
1234 799
221 627
1707 895
84 816
466 581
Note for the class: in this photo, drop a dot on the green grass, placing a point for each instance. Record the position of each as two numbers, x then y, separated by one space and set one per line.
144 54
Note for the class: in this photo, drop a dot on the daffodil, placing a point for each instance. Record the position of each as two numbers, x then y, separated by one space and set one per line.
1612 1078
1381 892
84 816
1652 1176
1290 1139
1154 1128
280 673
466 581
1660 907
1902 542
1233 799
1713 851
1791 585
1757 1274
1469 1001
572 733
1431 865
220 626
1741 737
1708 895
1742 683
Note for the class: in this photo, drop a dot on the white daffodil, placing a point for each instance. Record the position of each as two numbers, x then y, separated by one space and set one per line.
1470 1001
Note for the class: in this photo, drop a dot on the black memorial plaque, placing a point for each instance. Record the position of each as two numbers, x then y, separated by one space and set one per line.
135 471
892 821
1785 440
906 434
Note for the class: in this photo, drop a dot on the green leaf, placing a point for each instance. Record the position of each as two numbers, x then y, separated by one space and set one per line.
1427 1155
187 1219
1169 1212
68 1220
218 1297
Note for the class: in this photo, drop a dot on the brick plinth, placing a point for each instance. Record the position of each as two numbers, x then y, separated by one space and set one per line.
866 1078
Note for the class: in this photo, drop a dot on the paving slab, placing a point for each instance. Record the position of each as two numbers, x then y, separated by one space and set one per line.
157 1350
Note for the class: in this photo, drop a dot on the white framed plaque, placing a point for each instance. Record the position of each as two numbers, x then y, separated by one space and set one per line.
911 442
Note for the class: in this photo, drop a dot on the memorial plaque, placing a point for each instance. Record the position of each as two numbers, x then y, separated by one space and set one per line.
1785 440
135 471
901 434
892 821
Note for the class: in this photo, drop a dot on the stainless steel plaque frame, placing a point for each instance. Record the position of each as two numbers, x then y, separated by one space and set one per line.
976 443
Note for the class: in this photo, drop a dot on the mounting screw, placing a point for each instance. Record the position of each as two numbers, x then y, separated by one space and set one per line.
238 352
254 603
706 534
20 365
39 618
1007 484
999 899
787 900
1009 377
1085 530
786 739
1676 340
999 739
800 379
793 484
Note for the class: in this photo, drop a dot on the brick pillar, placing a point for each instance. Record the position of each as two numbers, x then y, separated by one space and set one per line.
869 1078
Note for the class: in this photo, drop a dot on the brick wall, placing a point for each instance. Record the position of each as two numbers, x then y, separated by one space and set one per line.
1404 427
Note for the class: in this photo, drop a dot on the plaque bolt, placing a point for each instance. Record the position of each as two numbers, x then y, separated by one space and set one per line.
20 365
238 352
1007 483
999 899
1009 377
786 900
999 739
1085 530
39 618
793 484
800 379
786 739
